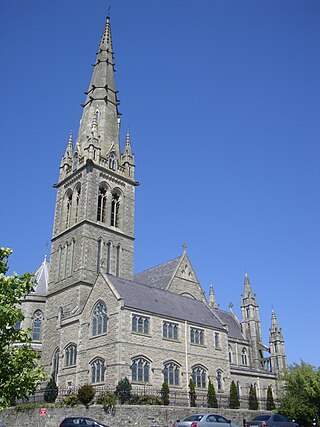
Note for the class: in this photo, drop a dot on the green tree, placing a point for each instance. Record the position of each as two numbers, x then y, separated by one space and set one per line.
20 375
211 396
123 390
253 401
234 402
51 391
86 394
301 400
270 402
165 393
192 393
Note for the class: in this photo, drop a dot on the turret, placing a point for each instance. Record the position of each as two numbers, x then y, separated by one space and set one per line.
277 349
212 298
127 157
251 325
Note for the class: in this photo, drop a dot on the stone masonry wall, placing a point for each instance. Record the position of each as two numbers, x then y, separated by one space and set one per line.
125 416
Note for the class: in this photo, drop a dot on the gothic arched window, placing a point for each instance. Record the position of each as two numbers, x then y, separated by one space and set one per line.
244 357
171 373
199 375
102 204
68 209
113 162
77 203
115 209
71 355
108 264
219 379
118 264
55 364
97 371
140 369
99 319
36 328
99 255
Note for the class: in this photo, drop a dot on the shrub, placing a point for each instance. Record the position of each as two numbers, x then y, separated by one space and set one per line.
211 396
123 390
165 393
253 401
51 391
108 401
70 400
192 393
86 394
270 401
145 399
234 402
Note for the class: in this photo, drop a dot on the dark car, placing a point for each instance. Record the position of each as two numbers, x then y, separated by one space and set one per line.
205 420
80 421
270 420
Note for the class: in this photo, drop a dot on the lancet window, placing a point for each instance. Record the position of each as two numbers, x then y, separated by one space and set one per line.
102 204
99 319
97 371
171 373
140 369
199 375
36 328
115 209
71 355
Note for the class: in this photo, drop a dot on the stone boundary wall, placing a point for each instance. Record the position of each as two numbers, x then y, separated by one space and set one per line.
124 416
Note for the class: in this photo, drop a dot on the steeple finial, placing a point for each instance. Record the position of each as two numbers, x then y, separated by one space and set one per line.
212 298
184 245
247 286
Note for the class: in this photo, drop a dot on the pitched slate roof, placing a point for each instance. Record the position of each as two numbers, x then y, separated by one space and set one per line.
233 326
149 299
160 275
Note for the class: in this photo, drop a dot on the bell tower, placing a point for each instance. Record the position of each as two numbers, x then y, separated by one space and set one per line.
94 215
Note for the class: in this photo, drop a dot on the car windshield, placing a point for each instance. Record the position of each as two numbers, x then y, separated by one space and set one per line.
194 418
261 418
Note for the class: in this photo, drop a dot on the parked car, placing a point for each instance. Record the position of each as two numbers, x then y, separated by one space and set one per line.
205 420
80 421
270 420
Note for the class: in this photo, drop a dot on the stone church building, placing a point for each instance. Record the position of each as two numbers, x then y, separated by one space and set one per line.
94 320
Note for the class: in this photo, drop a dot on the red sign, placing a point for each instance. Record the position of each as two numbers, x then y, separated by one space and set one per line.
43 412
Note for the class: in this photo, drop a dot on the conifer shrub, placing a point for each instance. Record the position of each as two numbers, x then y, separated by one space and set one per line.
211 396
234 402
253 401
123 391
192 393
165 393
108 401
51 391
86 394
270 402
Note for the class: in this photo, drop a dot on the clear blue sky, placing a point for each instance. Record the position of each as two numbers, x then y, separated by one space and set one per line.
222 99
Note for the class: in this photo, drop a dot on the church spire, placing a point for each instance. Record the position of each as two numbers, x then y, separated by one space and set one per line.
276 343
212 298
101 102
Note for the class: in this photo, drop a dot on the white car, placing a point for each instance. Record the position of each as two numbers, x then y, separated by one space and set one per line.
205 420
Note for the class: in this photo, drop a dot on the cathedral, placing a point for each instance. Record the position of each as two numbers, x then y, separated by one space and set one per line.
94 320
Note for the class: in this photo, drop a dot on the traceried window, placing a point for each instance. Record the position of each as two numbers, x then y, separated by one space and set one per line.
99 319
102 204
113 162
244 360
199 376
36 328
115 209
71 355
77 203
171 373
196 336
140 370
97 371
55 364
219 380
68 210
170 330
140 324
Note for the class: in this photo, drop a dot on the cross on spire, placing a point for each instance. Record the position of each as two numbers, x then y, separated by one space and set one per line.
184 245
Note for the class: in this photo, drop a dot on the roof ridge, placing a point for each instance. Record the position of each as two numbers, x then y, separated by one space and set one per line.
158 265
